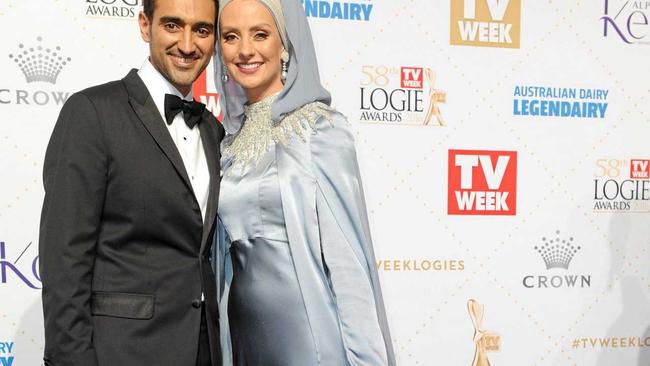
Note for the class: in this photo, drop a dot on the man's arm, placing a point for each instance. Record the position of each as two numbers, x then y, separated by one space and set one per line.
74 177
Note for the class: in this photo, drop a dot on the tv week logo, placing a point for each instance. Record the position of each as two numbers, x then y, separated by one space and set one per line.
482 182
205 92
486 23
412 77
639 169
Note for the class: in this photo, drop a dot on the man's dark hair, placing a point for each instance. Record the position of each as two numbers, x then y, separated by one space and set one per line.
149 5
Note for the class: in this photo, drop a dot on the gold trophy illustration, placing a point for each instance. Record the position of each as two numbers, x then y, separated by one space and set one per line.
437 97
485 341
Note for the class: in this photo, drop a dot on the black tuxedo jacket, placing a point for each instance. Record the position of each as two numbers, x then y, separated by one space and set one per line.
124 253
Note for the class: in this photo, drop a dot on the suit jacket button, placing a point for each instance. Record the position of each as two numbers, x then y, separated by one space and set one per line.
196 303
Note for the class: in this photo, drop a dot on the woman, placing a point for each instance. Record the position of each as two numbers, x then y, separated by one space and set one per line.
300 284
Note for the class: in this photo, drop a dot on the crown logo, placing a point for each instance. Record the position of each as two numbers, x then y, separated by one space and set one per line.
39 63
557 253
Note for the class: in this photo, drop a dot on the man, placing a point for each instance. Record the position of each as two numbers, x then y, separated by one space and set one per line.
131 180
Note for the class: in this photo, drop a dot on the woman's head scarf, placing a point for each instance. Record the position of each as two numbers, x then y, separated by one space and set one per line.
302 84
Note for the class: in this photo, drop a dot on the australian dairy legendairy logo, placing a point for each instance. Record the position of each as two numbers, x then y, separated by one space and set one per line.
344 10
6 353
546 101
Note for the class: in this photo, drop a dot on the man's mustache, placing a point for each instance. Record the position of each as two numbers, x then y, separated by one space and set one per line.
190 56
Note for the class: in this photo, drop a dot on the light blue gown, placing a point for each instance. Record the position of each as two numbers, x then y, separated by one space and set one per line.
295 264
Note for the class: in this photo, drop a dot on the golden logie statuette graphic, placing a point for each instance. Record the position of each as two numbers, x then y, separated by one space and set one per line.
485 341
436 96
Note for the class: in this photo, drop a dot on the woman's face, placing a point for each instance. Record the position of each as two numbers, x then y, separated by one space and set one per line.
251 47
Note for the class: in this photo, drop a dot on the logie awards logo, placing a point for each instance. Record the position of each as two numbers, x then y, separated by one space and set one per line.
486 23
405 95
112 9
622 185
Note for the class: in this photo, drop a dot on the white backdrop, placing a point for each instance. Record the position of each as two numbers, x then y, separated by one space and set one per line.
551 236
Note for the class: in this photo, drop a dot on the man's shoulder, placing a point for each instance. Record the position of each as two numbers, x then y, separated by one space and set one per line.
111 91
104 97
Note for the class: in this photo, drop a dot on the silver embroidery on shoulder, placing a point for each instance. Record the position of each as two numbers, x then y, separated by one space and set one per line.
258 134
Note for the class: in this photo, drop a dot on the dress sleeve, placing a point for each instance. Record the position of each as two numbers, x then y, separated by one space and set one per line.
346 245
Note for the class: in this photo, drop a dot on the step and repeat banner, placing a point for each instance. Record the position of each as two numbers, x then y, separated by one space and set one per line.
505 151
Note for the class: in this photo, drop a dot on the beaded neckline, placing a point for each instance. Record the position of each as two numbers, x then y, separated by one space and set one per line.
258 133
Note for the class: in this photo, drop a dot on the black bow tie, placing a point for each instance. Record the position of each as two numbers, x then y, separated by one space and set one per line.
192 111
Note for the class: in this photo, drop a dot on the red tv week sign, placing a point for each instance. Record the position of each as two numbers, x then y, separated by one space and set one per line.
640 169
482 182
205 92
411 77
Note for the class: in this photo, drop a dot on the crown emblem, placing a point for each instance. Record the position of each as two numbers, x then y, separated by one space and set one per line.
557 253
39 63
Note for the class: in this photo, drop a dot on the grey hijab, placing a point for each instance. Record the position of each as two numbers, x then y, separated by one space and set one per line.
302 85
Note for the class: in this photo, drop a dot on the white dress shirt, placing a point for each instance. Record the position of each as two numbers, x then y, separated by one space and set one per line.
188 141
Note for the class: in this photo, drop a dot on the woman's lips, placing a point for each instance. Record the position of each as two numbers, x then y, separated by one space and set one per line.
249 68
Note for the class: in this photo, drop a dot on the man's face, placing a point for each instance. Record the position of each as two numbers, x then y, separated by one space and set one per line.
181 36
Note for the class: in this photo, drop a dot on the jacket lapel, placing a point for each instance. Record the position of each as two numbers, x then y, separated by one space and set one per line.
148 114
210 140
